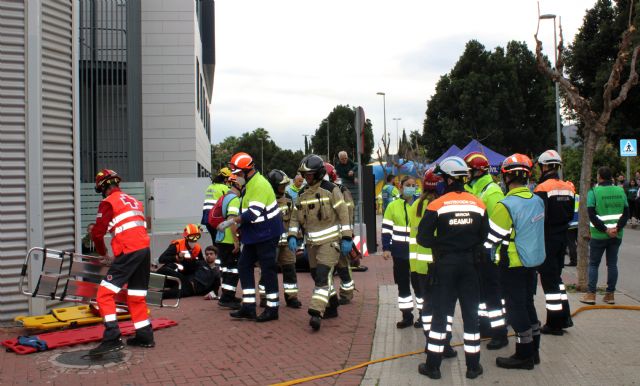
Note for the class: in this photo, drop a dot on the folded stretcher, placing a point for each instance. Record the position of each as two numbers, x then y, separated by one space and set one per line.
71 277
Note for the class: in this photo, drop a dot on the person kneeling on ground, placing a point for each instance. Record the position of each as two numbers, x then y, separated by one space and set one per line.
180 259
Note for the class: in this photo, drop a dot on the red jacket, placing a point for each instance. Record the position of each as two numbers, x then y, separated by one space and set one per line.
122 216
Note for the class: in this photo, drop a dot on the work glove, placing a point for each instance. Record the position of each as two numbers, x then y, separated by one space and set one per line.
346 246
293 244
225 224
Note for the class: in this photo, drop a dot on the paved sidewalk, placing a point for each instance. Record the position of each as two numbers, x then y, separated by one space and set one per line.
601 349
209 348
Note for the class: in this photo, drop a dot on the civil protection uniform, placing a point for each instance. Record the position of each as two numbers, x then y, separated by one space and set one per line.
228 258
323 215
260 233
454 226
419 259
347 285
212 194
396 234
285 257
559 201
490 310
517 220
123 216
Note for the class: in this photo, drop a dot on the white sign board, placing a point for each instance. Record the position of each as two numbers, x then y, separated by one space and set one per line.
179 197
628 148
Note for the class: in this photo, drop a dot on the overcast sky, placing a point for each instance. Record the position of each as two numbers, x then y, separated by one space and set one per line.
284 64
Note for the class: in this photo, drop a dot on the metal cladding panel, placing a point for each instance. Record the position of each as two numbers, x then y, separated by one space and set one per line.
13 157
57 125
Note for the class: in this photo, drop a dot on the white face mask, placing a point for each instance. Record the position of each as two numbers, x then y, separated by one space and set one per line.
240 181
191 244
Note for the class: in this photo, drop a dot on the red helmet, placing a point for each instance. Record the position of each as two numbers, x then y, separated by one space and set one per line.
430 180
477 161
517 163
239 162
192 232
106 177
331 172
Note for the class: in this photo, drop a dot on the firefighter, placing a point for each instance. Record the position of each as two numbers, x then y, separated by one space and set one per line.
261 228
455 227
559 201
517 228
492 319
215 190
321 212
347 285
572 232
122 216
181 258
420 257
396 231
228 243
286 259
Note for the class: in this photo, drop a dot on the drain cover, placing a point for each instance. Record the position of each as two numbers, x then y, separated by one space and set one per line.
80 359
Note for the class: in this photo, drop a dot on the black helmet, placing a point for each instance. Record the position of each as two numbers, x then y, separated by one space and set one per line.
313 164
277 177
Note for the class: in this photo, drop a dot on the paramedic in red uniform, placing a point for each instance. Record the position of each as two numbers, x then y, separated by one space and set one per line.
123 217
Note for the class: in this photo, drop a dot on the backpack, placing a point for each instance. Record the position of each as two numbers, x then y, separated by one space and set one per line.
528 221
219 211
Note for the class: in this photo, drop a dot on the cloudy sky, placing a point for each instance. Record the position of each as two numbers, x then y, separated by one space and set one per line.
284 64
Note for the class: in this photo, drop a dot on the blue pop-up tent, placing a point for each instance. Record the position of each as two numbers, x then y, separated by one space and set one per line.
495 159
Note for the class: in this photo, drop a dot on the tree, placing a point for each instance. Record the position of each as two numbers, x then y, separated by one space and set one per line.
342 135
588 65
496 97
594 113
259 145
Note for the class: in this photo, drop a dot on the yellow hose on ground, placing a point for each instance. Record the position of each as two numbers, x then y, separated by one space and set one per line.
365 364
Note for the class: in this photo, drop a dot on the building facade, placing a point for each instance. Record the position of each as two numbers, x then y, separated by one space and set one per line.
39 167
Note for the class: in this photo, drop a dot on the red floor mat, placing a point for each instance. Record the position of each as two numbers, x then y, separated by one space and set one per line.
80 335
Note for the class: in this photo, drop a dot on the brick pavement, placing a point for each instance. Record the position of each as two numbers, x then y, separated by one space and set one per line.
208 348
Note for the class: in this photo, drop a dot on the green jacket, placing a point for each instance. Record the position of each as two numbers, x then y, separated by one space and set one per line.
488 191
609 202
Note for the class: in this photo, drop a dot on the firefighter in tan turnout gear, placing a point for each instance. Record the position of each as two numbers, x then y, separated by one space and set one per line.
322 213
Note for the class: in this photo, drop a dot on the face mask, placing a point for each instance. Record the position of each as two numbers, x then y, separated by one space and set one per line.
240 181
191 244
441 186
409 191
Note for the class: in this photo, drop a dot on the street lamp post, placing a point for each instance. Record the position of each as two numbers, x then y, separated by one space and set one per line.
384 112
555 59
397 137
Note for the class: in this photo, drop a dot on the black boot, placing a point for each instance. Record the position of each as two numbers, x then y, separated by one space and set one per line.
535 328
143 338
449 352
429 371
111 341
473 373
522 359
263 302
417 323
548 330
269 313
332 309
498 342
315 320
344 301
407 319
244 313
228 300
293 302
